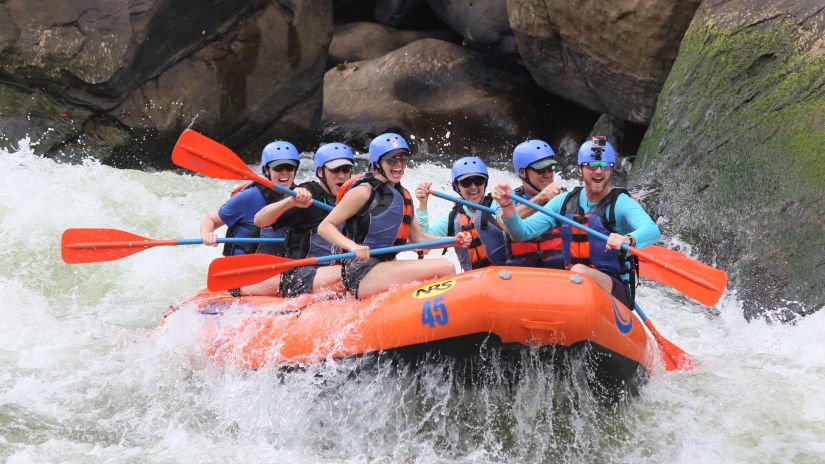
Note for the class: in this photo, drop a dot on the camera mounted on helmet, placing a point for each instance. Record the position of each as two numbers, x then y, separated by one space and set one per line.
598 146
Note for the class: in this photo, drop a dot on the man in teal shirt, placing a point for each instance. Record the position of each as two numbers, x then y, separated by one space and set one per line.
598 205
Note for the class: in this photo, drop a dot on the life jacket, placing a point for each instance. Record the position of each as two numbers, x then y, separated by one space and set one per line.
544 251
587 249
385 218
305 242
244 230
487 246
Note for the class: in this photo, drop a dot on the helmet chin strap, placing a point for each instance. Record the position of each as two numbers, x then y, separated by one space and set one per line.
526 180
324 182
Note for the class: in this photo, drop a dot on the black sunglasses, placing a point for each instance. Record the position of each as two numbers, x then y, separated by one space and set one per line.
478 181
346 169
551 168
282 167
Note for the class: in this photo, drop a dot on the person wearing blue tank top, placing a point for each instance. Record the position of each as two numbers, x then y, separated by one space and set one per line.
376 211
600 206
279 162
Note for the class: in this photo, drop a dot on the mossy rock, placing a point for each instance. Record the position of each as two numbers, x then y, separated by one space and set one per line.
734 153
31 113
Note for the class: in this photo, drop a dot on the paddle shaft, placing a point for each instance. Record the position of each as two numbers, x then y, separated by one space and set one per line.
634 251
332 258
464 202
249 175
183 241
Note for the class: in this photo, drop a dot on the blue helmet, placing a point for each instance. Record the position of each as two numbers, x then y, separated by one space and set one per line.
468 165
332 151
384 144
588 153
529 152
279 150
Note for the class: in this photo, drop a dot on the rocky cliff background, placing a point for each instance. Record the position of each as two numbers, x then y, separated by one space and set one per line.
725 98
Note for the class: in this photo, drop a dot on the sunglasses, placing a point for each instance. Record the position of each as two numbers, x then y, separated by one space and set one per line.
478 181
593 165
547 169
402 159
282 167
345 169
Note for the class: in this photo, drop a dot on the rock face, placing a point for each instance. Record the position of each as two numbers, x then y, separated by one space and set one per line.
609 56
734 151
482 23
432 88
131 75
365 41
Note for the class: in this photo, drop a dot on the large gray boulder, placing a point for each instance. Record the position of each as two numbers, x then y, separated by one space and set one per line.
365 40
437 90
612 56
482 23
131 75
734 154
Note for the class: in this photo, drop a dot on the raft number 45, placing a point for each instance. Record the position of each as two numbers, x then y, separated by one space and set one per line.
434 312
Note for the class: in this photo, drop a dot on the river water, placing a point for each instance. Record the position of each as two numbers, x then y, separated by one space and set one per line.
88 376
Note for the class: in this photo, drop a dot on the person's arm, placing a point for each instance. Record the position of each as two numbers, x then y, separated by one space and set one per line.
418 235
547 193
523 229
270 213
350 204
633 221
208 226
439 227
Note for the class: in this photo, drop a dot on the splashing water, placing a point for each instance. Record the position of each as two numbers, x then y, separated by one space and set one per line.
87 375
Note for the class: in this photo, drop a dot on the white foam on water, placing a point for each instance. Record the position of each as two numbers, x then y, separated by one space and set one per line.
88 375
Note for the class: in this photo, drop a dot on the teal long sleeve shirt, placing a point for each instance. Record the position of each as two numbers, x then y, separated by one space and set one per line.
440 226
631 219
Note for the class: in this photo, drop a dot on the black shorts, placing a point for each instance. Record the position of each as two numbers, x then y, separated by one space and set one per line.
621 291
298 281
354 271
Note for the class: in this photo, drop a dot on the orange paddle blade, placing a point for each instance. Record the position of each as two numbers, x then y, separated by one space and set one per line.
674 357
237 271
203 155
98 245
697 280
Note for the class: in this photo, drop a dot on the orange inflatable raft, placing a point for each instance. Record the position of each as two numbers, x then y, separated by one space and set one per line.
517 308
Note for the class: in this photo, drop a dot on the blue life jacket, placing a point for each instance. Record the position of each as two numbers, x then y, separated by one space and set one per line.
385 218
583 248
244 230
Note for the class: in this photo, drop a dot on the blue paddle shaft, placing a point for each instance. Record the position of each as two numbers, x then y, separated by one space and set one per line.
292 193
392 249
464 202
561 218
198 241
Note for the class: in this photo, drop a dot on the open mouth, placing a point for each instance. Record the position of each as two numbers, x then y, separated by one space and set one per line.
283 179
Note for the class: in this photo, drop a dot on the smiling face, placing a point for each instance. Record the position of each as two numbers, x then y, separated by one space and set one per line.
335 178
596 182
472 192
394 166
540 178
282 174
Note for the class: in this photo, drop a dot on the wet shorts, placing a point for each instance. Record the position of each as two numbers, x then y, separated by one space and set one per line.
298 281
621 291
354 271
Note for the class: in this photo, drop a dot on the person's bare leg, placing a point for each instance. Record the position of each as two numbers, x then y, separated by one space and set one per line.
600 277
328 278
389 273
268 287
